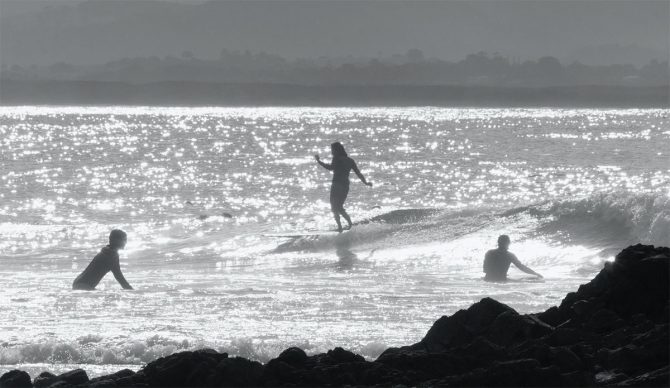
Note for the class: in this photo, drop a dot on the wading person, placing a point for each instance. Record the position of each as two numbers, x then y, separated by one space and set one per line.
105 261
340 165
497 262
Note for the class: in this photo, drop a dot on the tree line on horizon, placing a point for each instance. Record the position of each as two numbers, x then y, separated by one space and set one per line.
411 68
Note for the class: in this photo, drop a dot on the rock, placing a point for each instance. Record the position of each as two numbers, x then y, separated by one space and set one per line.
15 378
44 379
643 326
525 372
343 356
509 327
657 378
636 282
181 369
420 365
484 349
236 372
293 356
625 358
577 379
73 377
122 374
564 336
552 316
582 308
61 384
604 320
102 383
609 377
461 328
566 359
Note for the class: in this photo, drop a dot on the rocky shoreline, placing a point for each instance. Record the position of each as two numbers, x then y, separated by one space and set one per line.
612 332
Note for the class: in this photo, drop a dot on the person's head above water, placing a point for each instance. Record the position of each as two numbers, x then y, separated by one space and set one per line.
117 239
503 241
337 149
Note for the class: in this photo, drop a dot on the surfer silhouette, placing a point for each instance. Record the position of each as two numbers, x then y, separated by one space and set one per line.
497 262
340 165
105 261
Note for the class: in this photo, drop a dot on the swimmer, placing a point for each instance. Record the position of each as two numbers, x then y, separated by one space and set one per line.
105 261
497 262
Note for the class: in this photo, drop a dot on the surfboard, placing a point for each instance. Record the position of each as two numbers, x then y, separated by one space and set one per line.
305 233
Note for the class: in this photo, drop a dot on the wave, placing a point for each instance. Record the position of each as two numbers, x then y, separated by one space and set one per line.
621 217
94 350
604 221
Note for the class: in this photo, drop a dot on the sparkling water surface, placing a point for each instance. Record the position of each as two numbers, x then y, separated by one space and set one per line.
571 187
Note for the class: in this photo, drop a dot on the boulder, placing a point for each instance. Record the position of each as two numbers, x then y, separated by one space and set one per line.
566 359
15 378
524 372
340 355
564 336
105 383
73 377
182 369
293 356
483 349
509 328
44 379
609 377
656 378
604 320
236 372
552 316
462 327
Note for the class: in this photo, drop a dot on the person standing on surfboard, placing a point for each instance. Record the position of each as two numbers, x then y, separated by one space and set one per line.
340 165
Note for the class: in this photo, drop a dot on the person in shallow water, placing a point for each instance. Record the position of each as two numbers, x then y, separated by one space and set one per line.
497 261
105 261
340 165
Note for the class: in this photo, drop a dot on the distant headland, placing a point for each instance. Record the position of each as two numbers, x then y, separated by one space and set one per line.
191 93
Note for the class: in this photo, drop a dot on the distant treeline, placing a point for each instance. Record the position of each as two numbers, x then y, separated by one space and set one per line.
412 68
21 92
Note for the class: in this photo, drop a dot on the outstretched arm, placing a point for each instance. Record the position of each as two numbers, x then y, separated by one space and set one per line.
324 165
360 175
118 275
523 267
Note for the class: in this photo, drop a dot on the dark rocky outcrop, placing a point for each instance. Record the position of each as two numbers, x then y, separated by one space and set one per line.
15 378
613 331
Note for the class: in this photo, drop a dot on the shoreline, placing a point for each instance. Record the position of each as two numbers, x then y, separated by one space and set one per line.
198 94
611 331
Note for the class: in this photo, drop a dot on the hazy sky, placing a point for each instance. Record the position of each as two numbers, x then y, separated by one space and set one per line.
605 31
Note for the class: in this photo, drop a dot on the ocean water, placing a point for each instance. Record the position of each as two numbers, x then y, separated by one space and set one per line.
570 186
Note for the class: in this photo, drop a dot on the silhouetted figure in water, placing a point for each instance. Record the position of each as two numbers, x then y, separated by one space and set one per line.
105 261
341 165
497 261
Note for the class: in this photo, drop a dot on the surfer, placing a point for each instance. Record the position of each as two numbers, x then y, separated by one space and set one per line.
497 262
340 165
105 261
